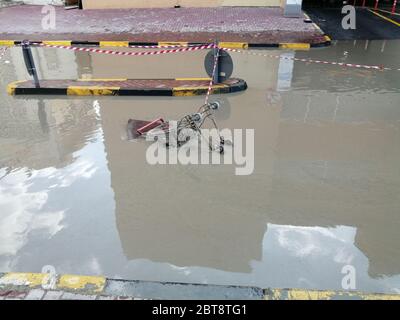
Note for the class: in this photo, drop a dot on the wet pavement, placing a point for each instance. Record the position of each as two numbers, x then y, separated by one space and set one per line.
75 194
244 24
369 26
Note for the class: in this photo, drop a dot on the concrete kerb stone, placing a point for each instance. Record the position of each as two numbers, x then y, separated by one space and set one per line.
233 45
18 286
161 290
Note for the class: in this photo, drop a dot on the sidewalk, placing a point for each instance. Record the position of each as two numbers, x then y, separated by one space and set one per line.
258 25
34 286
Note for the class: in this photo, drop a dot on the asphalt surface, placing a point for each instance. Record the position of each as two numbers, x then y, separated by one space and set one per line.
368 25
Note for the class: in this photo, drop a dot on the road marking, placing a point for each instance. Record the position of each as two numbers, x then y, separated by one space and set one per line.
385 18
395 13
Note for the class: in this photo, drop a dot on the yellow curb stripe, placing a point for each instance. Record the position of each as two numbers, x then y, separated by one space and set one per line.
99 80
166 44
234 45
193 79
89 283
194 91
295 46
114 43
299 294
7 43
328 38
24 279
12 86
92 90
385 18
57 43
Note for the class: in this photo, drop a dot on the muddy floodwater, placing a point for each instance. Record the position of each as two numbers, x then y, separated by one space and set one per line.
324 195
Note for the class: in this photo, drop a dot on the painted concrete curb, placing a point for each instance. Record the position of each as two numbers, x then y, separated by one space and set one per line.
231 45
100 287
115 87
70 283
301 294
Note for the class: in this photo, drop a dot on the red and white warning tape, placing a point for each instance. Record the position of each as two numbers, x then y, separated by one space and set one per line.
166 46
341 64
182 48
212 77
129 53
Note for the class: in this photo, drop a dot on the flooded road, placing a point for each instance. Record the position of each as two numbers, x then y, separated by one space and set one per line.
325 192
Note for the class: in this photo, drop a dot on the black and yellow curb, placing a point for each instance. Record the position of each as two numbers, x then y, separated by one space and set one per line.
102 286
229 45
326 43
126 87
302 294
68 283
328 40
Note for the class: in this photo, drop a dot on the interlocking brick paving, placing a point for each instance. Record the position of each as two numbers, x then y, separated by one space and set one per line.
247 24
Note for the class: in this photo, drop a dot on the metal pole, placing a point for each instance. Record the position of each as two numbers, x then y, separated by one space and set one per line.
216 56
29 62
376 4
36 79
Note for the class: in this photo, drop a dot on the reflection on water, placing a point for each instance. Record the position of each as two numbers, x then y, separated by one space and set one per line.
74 193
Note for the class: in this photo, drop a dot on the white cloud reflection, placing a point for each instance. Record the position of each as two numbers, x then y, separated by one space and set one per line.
22 208
21 213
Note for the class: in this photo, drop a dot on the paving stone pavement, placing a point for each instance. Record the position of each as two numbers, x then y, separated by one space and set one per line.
4 3
41 294
247 24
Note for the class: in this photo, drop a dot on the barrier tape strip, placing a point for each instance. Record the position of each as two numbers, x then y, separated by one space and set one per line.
212 77
341 64
180 48
128 53
166 46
